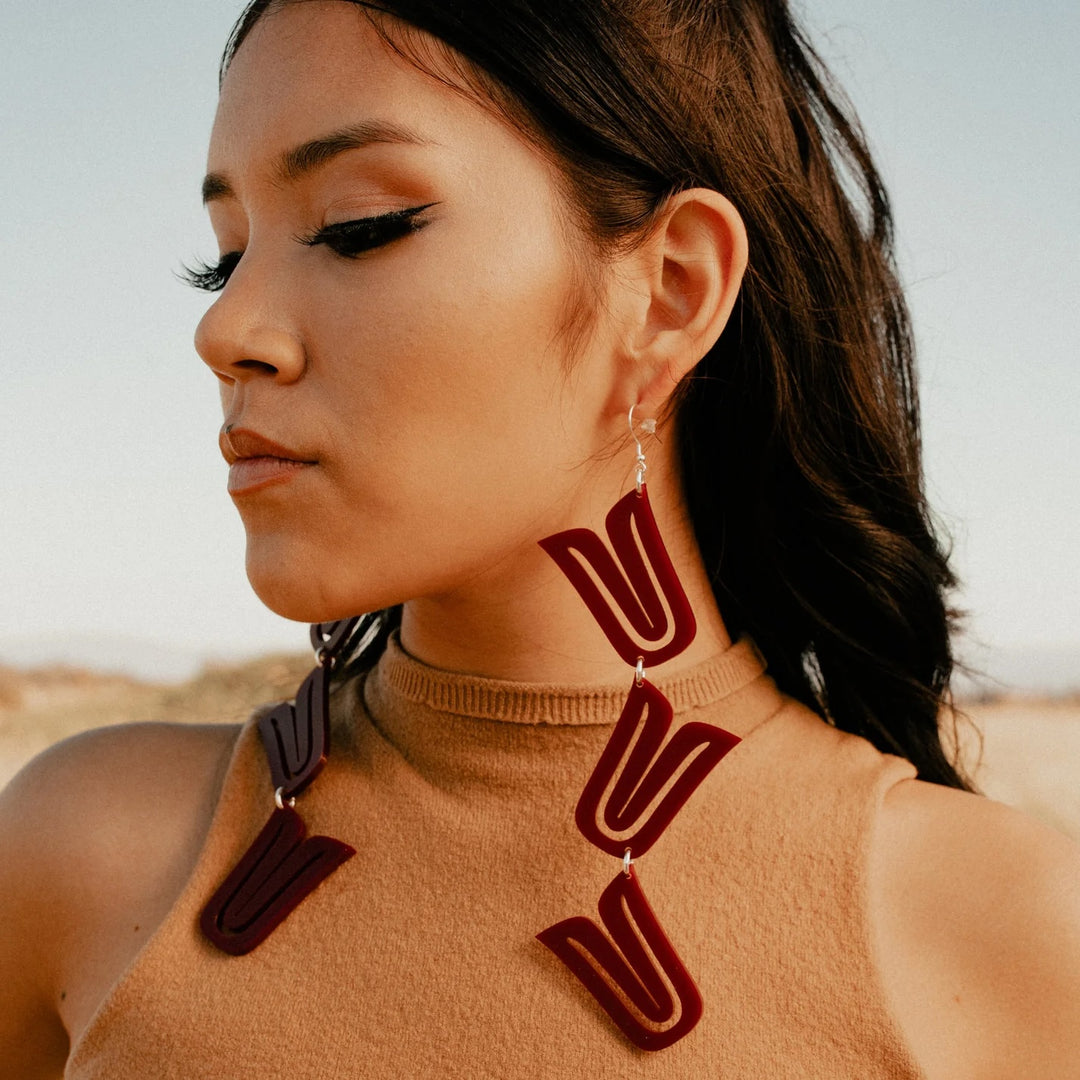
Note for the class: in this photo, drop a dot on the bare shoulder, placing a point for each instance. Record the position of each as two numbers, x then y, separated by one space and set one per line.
100 799
976 911
97 836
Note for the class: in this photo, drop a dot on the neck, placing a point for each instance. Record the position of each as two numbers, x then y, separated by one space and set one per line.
523 621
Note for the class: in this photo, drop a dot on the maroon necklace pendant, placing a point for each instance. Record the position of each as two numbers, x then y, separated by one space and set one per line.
635 958
641 782
284 865
629 581
274 875
297 737
622 788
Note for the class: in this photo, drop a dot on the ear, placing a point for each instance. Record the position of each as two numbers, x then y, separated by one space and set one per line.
691 267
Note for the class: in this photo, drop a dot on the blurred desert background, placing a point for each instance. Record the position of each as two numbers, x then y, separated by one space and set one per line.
1022 748
42 705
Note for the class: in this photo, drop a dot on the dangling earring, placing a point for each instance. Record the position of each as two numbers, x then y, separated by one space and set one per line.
633 968
283 864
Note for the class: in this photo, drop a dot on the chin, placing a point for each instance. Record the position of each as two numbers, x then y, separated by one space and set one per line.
306 597
300 600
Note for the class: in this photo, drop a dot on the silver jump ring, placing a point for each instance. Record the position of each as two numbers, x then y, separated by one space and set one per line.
627 862
639 672
323 658
649 427
281 802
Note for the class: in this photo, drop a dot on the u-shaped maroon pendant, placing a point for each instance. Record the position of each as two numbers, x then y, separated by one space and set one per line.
628 581
636 766
628 964
657 1002
283 865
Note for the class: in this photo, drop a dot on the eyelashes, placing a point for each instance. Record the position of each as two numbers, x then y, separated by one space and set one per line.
348 239
211 278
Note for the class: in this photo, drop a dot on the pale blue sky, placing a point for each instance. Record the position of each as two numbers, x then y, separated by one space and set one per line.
113 513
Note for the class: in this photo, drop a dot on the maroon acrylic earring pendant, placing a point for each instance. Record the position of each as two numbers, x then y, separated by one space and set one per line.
283 864
628 964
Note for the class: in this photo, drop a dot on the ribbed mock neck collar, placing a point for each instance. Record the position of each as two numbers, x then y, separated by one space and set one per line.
401 676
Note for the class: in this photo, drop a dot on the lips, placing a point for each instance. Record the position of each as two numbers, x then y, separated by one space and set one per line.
256 462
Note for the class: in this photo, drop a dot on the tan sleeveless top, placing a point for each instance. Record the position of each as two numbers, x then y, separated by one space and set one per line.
418 957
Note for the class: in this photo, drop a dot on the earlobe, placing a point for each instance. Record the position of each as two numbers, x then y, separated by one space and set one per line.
696 259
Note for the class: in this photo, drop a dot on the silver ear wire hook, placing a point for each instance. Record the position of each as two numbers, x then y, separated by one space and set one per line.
649 427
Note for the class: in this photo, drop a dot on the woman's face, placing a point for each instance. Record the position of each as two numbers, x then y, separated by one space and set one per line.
414 363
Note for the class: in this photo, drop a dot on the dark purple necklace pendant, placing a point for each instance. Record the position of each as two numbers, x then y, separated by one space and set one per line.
275 874
284 865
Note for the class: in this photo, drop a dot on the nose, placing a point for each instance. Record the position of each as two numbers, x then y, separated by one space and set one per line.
246 333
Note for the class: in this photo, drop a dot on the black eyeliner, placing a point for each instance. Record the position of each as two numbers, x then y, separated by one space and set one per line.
370 232
348 239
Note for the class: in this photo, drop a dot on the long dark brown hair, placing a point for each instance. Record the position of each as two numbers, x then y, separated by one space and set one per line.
799 431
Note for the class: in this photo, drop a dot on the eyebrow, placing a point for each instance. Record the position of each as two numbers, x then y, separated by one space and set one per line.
302 160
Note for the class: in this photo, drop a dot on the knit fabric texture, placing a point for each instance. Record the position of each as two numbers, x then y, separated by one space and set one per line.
418 958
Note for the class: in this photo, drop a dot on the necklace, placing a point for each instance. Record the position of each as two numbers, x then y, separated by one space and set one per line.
283 864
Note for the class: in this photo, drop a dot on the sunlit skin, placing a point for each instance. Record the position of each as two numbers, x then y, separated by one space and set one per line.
430 379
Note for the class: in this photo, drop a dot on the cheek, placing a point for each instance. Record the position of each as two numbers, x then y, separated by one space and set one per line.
454 366
453 432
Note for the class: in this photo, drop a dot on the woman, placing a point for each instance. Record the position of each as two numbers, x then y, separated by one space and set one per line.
462 245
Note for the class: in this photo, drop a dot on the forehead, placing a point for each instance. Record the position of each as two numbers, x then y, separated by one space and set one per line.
318 66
